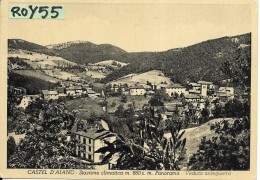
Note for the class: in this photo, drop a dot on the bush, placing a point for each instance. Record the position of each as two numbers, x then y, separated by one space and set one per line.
113 104
124 99
11 147
228 151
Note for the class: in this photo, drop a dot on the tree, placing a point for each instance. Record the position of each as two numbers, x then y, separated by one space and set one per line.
44 146
92 118
176 95
120 111
124 98
11 147
151 149
158 97
114 63
218 111
113 104
234 108
120 91
239 69
103 103
129 113
229 151
204 115
155 102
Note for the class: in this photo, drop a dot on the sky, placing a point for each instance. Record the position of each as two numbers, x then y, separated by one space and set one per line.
136 27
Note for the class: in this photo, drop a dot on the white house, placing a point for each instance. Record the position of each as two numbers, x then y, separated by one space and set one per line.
47 95
92 93
192 98
137 90
228 90
89 142
174 88
225 93
74 90
196 88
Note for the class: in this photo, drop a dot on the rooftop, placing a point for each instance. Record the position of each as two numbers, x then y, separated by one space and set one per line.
175 85
74 88
91 133
139 86
192 96
195 84
47 92
90 91
204 82
225 88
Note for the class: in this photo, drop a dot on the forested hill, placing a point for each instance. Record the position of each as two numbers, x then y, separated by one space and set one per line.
86 52
199 61
29 46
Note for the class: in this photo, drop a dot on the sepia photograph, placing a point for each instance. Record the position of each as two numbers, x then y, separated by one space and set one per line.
130 86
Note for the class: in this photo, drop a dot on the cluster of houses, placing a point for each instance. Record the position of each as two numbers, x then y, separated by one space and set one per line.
71 90
196 95
65 90
194 92
90 140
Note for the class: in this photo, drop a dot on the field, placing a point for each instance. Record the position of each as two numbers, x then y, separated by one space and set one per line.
95 74
139 102
108 63
153 76
37 60
36 74
83 75
85 106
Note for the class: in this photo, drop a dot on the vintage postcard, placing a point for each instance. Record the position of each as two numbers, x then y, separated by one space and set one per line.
128 89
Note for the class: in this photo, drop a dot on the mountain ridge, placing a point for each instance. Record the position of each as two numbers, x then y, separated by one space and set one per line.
199 61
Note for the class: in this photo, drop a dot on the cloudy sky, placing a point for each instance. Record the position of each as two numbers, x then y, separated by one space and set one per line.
137 27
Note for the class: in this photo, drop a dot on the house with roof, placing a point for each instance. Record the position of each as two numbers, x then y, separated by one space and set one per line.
90 141
75 78
225 93
92 93
137 90
61 90
174 88
74 90
47 95
202 87
192 98
228 90
123 87
195 88
210 85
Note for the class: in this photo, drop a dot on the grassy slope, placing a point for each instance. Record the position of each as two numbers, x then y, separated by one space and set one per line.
194 135
36 74
138 100
153 76
32 84
85 106
109 63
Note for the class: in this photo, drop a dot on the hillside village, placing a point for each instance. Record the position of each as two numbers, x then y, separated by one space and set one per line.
88 106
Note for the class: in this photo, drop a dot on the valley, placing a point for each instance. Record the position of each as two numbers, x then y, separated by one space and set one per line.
87 97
